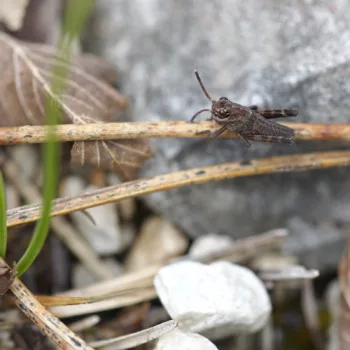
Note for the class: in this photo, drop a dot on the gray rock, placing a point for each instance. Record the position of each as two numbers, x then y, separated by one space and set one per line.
271 53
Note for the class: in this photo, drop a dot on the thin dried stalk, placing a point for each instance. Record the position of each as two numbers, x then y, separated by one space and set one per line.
133 287
293 272
178 129
243 249
344 307
50 325
136 339
85 323
310 312
64 230
293 163
108 304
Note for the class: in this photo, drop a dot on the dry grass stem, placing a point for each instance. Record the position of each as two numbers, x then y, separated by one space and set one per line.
245 248
136 339
293 272
85 323
134 287
109 304
138 130
281 164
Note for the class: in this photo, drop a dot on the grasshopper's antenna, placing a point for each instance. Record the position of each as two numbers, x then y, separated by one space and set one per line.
202 86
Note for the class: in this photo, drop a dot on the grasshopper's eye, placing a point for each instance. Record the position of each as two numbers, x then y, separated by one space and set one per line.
223 99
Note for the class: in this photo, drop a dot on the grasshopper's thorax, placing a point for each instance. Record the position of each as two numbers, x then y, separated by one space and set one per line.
225 111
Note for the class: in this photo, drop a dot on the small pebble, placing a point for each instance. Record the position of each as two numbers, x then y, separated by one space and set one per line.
210 243
157 242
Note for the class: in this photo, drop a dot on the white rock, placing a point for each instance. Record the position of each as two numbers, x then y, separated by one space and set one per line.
157 242
215 300
177 339
209 244
81 277
104 234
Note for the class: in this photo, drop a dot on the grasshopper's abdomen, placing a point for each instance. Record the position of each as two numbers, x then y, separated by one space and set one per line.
259 129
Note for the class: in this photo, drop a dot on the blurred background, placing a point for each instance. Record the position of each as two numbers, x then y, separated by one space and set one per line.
274 54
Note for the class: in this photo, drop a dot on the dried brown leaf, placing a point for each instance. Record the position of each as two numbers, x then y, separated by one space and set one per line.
96 66
26 76
12 13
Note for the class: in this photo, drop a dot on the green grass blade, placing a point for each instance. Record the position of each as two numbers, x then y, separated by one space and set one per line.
76 15
3 228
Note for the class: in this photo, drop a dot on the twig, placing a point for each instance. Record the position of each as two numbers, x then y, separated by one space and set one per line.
85 323
243 249
294 272
64 230
310 313
292 163
45 321
178 129
135 339
138 284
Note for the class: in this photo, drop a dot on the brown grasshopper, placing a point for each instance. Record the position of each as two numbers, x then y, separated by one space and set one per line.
249 123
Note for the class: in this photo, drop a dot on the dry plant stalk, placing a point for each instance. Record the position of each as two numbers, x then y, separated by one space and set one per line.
344 300
310 312
244 249
25 84
136 339
164 129
49 324
281 164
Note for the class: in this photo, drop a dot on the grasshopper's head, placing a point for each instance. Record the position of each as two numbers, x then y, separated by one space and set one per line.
222 110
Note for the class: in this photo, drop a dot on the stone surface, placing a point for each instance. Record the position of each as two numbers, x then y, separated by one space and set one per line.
158 241
216 300
293 54
177 339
